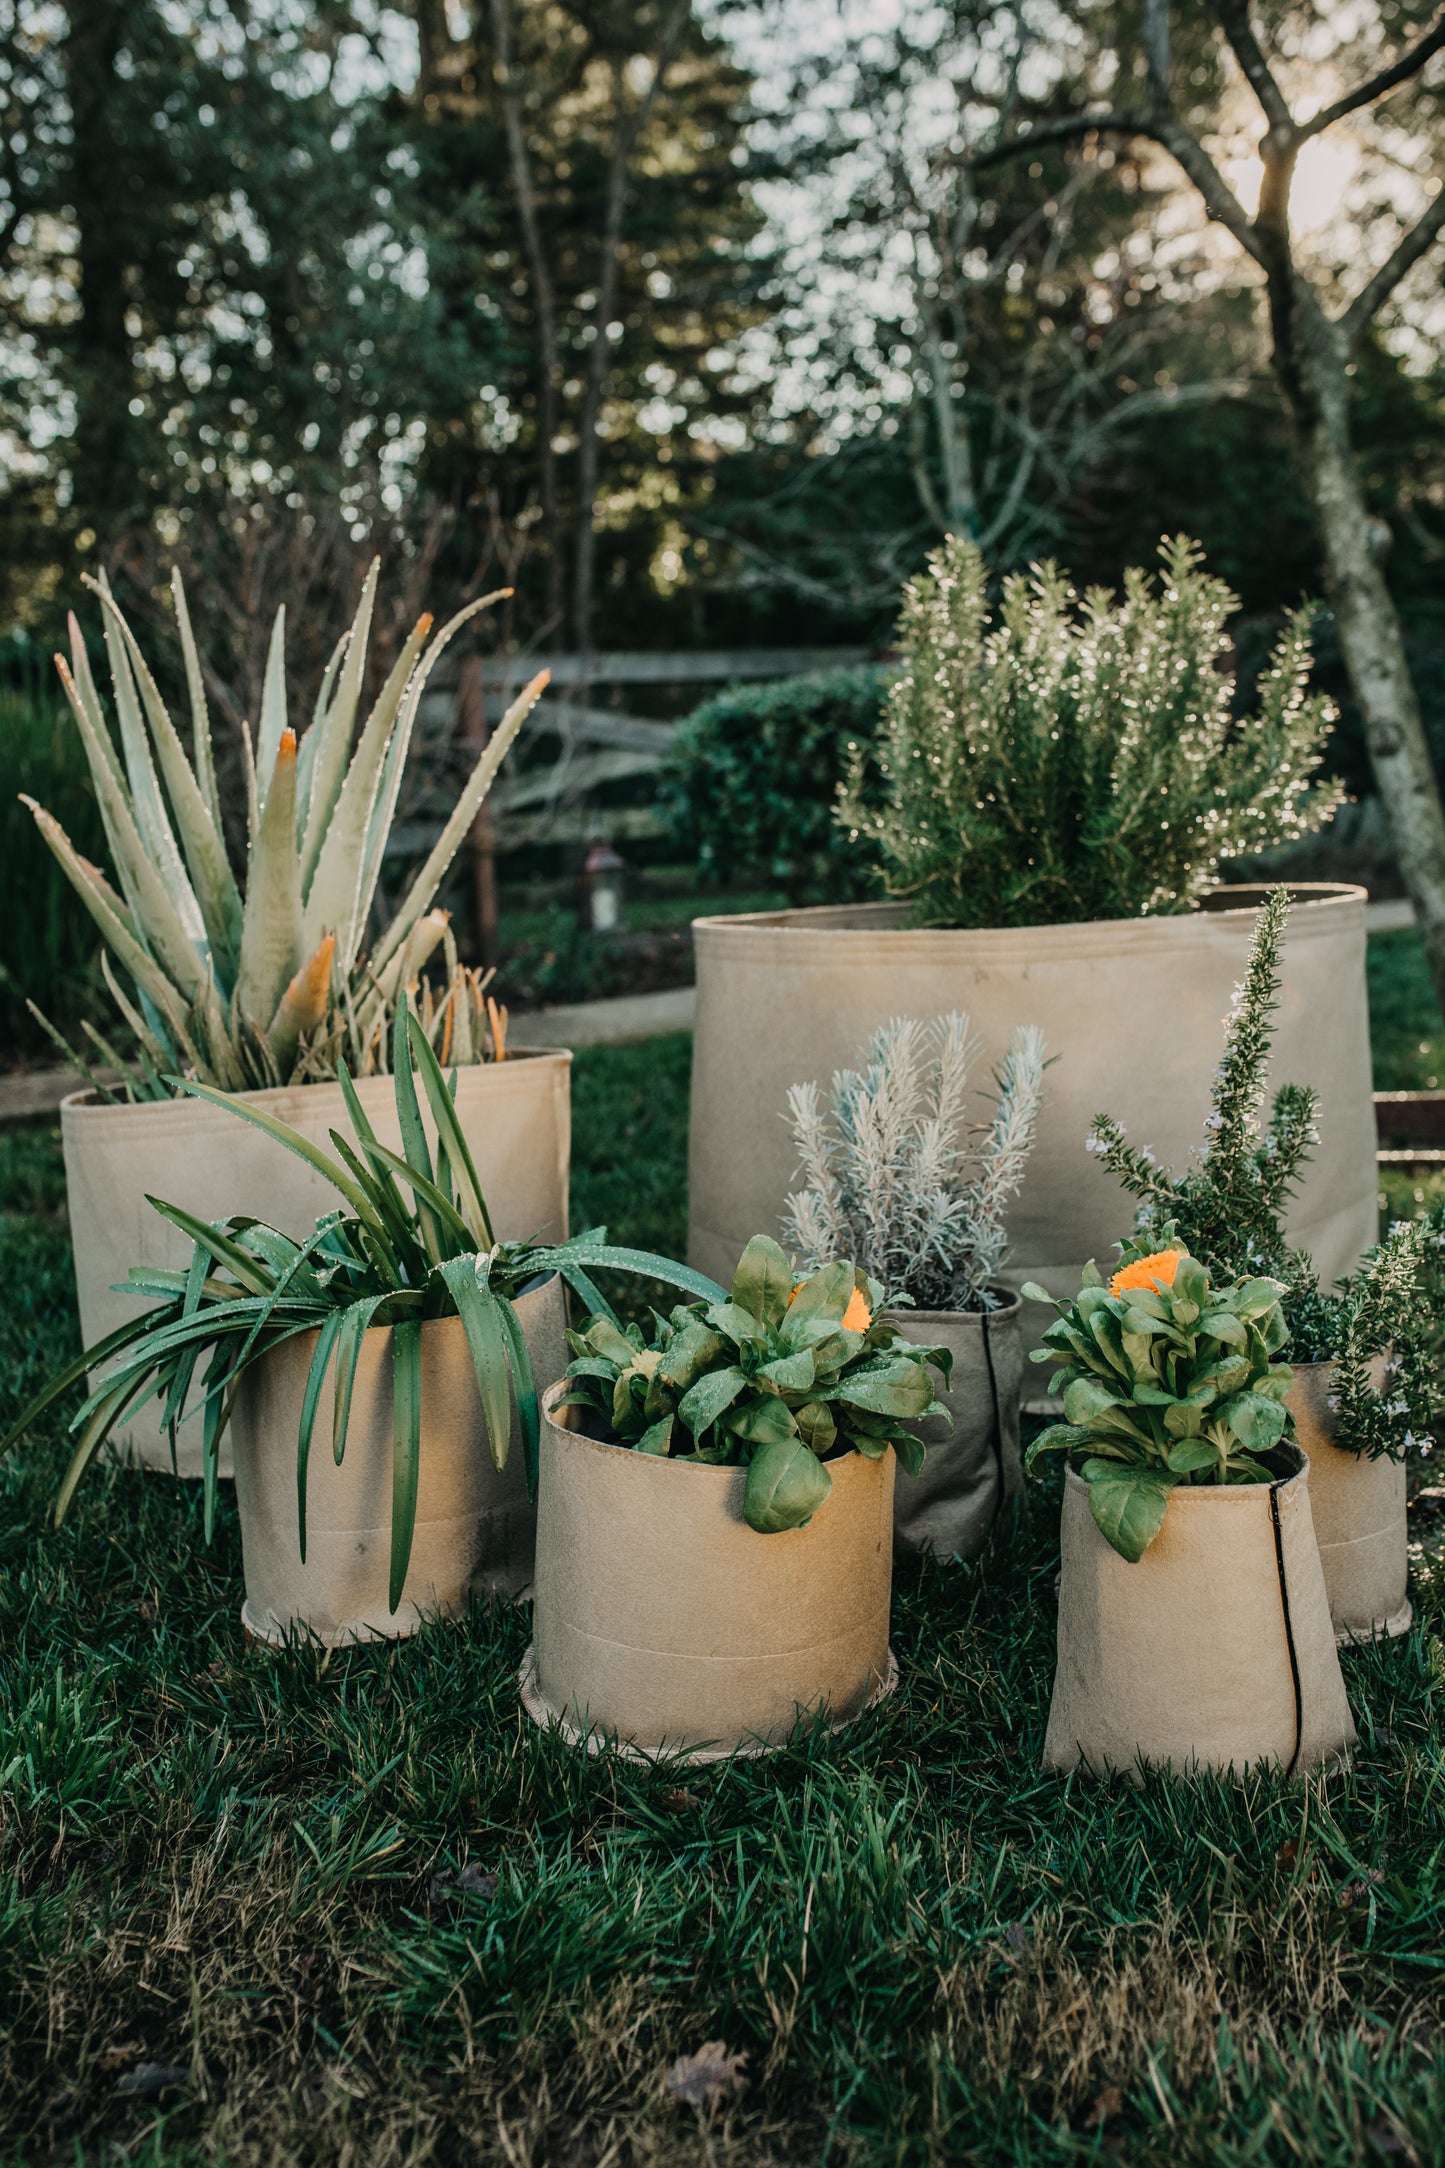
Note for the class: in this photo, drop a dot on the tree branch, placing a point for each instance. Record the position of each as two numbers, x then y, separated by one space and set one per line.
1367 303
1068 128
1235 23
1157 49
1409 63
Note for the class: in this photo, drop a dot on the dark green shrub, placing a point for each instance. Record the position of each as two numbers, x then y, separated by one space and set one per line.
751 782
50 948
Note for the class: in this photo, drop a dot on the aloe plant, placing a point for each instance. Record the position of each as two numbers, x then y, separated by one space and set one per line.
261 975
380 1260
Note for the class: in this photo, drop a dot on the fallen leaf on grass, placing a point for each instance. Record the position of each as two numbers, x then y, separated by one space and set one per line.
115 2058
1352 1892
710 2075
148 2079
1110 2102
468 1881
1288 1856
677 1800
1016 1935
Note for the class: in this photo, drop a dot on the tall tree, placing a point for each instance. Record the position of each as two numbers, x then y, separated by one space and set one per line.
1319 317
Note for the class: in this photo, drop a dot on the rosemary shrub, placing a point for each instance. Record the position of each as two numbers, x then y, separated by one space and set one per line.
894 1177
1228 1206
1079 758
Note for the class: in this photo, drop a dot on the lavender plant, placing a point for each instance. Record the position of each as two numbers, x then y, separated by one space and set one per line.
1228 1207
895 1177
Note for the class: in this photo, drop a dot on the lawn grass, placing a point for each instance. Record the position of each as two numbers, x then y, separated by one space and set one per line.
241 1865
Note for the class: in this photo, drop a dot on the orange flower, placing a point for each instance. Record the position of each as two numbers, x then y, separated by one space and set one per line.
1156 1270
856 1318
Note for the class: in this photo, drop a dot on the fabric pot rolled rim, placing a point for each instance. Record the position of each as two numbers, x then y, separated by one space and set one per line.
1296 1472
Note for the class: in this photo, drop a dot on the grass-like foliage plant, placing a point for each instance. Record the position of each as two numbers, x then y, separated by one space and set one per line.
1080 758
260 975
1167 1379
777 1375
895 1177
384 1259
1228 1205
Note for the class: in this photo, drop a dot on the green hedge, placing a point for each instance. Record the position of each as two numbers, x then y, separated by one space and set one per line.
750 784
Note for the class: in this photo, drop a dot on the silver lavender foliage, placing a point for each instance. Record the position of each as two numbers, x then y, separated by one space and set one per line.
895 1176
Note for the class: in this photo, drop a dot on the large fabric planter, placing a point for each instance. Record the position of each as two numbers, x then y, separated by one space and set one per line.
1359 1509
661 1620
973 1470
475 1528
1213 1651
1133 1009
517 1119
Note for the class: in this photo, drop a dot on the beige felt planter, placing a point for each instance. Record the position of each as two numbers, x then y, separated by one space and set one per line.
1359 1509
474 1526
517 1119
1213 1651
1133 1008
662 1620
973 1470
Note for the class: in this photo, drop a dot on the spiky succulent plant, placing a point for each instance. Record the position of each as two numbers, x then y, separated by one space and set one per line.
257 976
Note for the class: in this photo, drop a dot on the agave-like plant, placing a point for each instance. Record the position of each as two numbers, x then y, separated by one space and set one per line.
380 1260
257 980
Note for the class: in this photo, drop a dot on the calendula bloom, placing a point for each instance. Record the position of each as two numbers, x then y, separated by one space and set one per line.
856 1318
1156 1270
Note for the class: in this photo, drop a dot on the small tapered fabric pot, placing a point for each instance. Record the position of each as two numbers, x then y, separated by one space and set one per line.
475 1528
662 1621
973 1472
1359 1509
516 1115
1214 1651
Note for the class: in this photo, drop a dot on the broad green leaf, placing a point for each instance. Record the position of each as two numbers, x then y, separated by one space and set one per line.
1058 1438
704 1402
786 1485
738 1324
1258 1421
789 1373
763 1421
1088 1399
822 1298
657 1438
692 1352
905 1390
1223 1325
1190 1453
1129 1507
816 1426
1257 1297
763 1281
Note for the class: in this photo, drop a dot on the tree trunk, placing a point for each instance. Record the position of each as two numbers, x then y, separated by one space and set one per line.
1316 385
106 453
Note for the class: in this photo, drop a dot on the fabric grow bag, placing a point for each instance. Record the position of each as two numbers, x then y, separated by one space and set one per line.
1359 1510
973 1471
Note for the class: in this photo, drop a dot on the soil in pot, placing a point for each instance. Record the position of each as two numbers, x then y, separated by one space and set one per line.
973 1475
661 1620
517 1118
1359 1510
475 1528
1213 1651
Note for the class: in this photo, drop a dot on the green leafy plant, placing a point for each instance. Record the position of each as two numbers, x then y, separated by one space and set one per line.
779 1376
1228 1208
382 1260
892 1176
261 977
1079 759
1167 1380
753 776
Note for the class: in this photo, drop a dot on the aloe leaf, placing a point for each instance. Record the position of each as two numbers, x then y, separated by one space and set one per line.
459 821
205 758
405 1448
333 895
480 1313
451 1137
272 724
271 950
401 972
114 921
303 1005
213 882
310 1402
167 929
333 750
384 809
89 697
150 811
524 1385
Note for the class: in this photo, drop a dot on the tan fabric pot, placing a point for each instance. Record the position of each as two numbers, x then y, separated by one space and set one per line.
1359 1509
974 1470
517 1119
662 1620
475 1528
1214 1651
1133 1008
